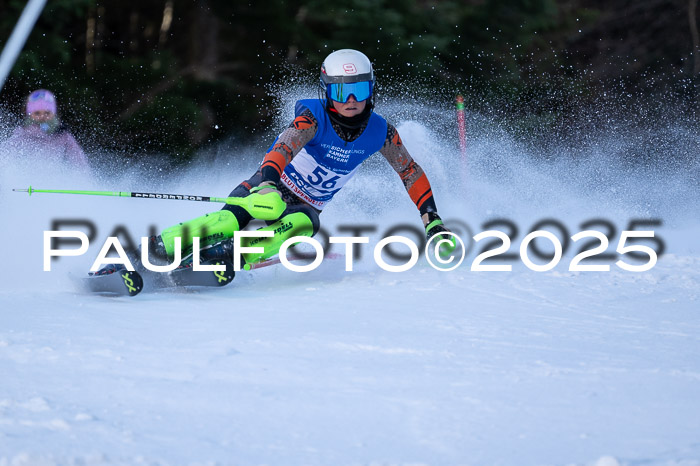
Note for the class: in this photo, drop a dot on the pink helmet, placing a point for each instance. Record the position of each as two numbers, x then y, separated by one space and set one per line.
41 100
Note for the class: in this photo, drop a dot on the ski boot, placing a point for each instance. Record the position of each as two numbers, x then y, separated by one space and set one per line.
294 224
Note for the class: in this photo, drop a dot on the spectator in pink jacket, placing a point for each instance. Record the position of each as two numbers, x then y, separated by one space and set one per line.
43 134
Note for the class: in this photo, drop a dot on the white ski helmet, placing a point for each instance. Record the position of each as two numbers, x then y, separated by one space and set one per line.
347 72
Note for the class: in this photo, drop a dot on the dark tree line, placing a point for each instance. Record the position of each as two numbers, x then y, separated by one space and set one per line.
172 76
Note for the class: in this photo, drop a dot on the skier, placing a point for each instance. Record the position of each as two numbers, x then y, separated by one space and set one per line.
307 165
42 134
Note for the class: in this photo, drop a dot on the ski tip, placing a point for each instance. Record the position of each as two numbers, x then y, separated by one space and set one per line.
132 281
118 283
190 277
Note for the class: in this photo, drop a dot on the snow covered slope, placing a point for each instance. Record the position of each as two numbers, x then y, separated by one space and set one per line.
369 366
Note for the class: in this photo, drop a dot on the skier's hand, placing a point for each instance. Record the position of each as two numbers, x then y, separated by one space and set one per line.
271 199
434 226
266 187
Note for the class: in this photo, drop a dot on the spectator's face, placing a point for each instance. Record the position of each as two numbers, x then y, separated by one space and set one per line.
41 116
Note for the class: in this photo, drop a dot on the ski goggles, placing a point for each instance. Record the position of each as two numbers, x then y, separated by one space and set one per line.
341 92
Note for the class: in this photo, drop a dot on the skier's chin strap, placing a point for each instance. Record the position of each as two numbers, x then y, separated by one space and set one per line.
351 123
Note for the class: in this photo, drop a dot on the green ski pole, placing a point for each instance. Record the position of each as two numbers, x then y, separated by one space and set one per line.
262 206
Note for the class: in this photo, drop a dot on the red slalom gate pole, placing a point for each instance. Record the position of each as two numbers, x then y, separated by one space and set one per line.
461 125
459 101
